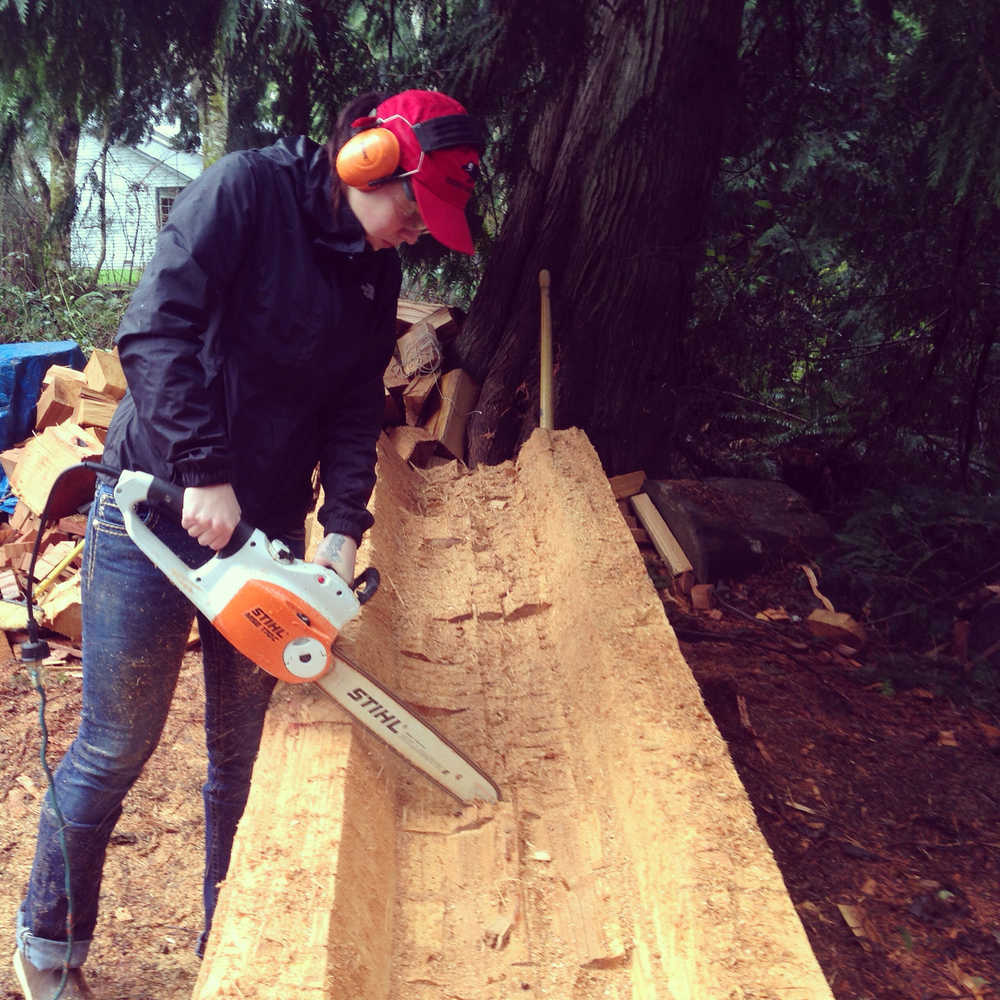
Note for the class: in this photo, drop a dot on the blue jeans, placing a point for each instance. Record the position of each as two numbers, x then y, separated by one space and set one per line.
135 628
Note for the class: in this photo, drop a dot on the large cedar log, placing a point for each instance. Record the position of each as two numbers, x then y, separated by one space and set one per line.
625 859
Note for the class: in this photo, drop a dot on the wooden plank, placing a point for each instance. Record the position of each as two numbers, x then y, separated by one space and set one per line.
660 534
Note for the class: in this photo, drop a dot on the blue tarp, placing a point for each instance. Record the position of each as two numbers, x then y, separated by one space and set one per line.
22 368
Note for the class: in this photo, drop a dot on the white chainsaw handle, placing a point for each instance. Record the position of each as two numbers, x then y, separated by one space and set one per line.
134 488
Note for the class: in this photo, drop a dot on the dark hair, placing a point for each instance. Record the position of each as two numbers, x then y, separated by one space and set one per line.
361 107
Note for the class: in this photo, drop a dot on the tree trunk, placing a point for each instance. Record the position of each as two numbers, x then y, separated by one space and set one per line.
102 206
211 94
622 163
64 143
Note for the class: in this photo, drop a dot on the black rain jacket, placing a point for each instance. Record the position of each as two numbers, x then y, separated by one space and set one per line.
255 343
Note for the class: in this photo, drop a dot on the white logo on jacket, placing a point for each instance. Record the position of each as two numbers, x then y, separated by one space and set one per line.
368 291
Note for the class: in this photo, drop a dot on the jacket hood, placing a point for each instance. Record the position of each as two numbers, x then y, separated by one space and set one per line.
311 166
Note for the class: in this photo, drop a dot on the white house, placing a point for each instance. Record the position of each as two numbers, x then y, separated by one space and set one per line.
141 183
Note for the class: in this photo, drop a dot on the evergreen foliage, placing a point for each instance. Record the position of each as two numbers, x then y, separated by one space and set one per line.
854 246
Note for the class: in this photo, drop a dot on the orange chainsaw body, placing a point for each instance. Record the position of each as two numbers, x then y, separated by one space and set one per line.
268 624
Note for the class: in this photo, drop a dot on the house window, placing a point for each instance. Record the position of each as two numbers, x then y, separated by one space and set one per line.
164 202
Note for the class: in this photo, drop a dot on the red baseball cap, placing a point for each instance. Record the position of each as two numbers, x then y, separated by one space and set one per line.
439 147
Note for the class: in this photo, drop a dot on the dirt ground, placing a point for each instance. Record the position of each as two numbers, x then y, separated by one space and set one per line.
879 802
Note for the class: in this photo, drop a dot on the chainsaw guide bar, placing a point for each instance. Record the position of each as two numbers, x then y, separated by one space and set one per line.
404 732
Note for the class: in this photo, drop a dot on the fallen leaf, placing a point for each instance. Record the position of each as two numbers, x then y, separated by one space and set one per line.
773 615
946 738
28 785
855 919
801 808
992 734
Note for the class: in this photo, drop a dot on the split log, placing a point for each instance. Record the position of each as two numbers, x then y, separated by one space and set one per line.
459 394
415 397
94 409
47 455
104 374
443 319
61 609
412 444
419 350
61 391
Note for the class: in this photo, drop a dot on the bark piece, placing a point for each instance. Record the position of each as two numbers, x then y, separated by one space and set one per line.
730 528
837 626
627 485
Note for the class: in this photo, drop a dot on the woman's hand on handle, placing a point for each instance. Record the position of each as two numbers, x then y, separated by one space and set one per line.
211 514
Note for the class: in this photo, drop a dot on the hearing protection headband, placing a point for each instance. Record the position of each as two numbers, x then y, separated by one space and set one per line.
371 157
446 131
443 132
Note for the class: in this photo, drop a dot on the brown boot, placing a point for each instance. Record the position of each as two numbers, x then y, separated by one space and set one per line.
39 985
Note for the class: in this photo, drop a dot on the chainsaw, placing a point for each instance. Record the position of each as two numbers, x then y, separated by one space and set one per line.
284 614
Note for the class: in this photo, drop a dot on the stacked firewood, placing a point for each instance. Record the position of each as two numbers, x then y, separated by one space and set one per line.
426 409
71 422
427 401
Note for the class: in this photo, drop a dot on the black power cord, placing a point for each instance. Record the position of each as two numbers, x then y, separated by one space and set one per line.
33 653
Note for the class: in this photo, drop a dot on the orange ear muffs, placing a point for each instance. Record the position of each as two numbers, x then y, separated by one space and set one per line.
368 157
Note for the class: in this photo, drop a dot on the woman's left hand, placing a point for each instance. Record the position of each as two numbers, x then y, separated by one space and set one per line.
338 552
